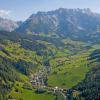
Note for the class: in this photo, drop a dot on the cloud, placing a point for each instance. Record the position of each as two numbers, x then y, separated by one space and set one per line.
5 13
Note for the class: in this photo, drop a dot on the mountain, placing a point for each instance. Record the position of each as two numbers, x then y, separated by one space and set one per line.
8 25
74 23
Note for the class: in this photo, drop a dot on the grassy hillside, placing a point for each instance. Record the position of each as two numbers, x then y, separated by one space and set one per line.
66 63
25 91
68 71
89 87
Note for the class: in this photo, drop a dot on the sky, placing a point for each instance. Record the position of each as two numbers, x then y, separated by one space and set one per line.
22 9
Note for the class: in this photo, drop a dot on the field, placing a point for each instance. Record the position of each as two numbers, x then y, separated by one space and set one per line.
30 95
66 72
20 93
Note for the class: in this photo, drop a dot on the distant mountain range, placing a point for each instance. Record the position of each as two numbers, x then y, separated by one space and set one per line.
60 20
77 24
74 23
8 25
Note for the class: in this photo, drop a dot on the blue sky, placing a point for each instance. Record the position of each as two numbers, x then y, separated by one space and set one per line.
22 9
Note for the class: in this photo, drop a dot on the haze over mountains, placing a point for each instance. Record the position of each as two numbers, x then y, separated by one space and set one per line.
8 25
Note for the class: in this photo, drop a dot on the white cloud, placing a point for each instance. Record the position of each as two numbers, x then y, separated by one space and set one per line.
5 13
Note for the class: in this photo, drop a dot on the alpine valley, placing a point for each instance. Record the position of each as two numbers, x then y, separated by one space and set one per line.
53 55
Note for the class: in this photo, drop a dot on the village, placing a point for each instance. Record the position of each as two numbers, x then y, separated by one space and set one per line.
39 80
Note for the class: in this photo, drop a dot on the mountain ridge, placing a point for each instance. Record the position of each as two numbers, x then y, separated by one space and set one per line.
74 23
8 24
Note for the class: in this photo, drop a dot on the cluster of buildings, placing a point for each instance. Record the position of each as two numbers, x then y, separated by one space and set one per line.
38 79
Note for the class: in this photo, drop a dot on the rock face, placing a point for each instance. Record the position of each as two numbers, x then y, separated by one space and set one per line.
75 23
61 20
8 25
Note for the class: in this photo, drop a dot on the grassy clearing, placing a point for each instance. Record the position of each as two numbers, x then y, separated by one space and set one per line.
67 72
68 77
31 95
28 94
